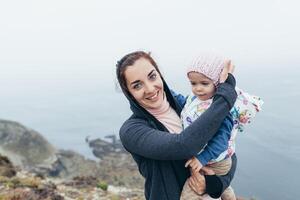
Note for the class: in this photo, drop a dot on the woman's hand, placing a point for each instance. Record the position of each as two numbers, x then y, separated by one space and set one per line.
197 182
229 68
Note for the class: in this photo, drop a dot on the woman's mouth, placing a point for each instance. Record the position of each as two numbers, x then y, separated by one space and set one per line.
153 97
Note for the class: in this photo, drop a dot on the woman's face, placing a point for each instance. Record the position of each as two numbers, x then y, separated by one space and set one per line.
145 84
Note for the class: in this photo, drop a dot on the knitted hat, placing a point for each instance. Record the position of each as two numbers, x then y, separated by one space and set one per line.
208 64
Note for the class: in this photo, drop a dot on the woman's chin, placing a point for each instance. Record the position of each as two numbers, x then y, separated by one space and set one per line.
154 104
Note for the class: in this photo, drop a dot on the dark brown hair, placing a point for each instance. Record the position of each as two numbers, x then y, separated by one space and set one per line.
129 60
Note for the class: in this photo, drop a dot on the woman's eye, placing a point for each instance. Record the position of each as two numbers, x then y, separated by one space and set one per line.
137 86
153 76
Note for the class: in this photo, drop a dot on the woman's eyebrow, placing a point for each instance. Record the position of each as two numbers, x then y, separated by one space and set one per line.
151 72
134 82
137 81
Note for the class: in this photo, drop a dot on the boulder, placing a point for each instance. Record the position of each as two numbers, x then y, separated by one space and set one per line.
70 164
31 151
6 167
25 147
102 148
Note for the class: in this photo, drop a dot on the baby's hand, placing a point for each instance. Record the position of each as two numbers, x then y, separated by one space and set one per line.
194 163
229 68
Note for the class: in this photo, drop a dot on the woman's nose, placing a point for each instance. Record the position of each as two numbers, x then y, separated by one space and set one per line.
149 87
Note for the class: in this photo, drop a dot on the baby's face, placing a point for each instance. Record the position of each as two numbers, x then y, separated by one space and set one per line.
202 86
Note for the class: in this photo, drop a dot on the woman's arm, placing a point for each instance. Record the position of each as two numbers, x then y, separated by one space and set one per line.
218 144
139 137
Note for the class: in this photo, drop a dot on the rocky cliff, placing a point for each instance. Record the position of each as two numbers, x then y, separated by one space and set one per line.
33 155
25 147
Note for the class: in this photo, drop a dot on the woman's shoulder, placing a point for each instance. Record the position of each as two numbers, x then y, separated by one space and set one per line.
131 123
134 131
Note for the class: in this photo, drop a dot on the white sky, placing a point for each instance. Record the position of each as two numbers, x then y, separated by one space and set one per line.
40 38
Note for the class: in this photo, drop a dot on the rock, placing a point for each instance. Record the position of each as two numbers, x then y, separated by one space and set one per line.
118 166
28 149
6 167
83 182
31 151
83 189
71 164
120 169
25 147
21 192
101 148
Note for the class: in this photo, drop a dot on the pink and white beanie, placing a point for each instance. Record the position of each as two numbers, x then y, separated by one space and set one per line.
208 64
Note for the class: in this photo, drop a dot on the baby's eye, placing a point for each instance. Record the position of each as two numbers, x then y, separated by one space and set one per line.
193 83
205 83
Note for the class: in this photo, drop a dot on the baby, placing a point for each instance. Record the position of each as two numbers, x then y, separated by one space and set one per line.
204 74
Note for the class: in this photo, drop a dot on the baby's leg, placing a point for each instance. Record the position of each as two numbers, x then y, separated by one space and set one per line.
222 168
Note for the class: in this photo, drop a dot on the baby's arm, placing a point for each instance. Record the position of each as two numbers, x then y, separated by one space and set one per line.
218 144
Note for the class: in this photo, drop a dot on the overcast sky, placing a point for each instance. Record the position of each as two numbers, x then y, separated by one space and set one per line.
38 38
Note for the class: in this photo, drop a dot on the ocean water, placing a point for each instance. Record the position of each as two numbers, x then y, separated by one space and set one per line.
68 108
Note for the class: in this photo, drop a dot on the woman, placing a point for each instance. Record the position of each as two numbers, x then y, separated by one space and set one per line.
160 155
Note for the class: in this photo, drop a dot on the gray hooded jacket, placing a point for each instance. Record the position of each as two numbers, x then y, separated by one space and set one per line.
161 156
